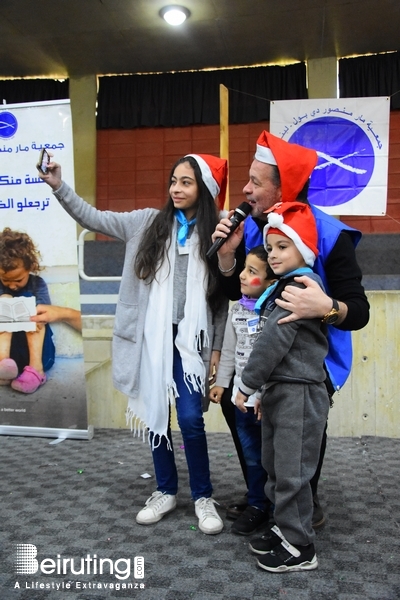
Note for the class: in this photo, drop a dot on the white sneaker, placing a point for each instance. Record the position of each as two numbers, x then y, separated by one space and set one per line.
155 508
209 520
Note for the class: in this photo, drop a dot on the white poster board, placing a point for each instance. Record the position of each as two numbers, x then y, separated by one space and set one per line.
28 205
351 137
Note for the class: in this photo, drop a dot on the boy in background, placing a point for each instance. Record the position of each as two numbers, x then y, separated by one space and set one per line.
241 331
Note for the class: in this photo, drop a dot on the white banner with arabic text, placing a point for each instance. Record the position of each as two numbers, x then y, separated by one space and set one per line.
351 137
27 205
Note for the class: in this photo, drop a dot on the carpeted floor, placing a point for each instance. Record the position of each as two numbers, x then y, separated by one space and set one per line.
78 500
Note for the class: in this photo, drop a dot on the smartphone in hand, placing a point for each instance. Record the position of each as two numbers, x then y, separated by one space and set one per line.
44 159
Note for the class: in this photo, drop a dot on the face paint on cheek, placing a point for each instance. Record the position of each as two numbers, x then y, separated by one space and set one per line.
255 282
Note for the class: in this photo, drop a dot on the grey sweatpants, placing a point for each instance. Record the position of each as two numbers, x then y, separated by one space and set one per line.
293 420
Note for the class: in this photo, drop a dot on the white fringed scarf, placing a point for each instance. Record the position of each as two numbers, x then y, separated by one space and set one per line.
149 412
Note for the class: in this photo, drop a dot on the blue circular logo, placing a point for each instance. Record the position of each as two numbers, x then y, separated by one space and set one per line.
346 159
8 125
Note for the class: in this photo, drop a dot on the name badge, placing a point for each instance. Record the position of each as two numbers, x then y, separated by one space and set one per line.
184 249
252 325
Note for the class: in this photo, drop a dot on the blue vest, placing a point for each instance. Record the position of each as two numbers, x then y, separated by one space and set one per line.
339 357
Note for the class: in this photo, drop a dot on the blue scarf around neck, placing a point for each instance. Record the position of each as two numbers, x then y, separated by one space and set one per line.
183 230
271 288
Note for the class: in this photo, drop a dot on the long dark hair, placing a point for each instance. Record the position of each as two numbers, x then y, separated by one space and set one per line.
155 243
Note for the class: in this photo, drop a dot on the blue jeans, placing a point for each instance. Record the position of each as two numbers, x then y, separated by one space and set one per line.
190 419
249 432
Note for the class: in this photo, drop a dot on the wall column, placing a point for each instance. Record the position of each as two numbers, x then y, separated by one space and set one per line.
322 77
83 95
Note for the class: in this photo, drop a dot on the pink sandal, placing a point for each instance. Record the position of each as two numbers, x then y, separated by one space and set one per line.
29 381
8 369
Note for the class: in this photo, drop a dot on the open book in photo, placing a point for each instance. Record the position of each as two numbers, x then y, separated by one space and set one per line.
15 313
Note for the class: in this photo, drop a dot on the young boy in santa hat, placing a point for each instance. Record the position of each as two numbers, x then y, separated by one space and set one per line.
287 363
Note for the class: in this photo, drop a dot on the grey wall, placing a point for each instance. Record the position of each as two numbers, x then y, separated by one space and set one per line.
378 256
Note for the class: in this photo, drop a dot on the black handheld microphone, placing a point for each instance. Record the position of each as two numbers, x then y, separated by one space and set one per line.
241 212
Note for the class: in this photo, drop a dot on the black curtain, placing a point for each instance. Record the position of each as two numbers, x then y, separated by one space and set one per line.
190 98
375 75
14 91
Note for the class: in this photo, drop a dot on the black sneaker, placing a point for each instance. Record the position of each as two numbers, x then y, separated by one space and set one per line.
286 558
267 542
250 521
234 511
318 518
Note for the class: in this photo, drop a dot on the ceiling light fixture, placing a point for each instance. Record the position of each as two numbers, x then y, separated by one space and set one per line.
174 14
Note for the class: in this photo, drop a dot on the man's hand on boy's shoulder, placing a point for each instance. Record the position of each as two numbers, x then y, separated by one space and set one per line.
309 302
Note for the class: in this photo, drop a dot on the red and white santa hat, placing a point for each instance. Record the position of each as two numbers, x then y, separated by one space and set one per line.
214 172
295 163
296 221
